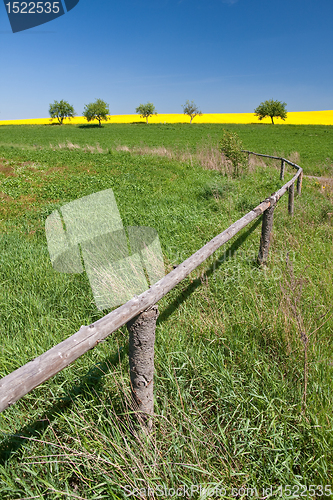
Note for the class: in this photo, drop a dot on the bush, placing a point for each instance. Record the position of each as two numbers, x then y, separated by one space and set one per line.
231 147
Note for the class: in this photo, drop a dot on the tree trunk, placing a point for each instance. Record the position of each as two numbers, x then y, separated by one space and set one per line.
141 360
272 120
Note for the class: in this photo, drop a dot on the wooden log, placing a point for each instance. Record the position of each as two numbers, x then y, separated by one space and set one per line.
141 360
291 199
260 154
273 157
292 164
266 229
282 169
277 195
299 184
23 380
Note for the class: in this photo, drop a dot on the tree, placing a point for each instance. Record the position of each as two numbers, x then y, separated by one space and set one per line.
191 109
146 110
61 110
271 108
98 110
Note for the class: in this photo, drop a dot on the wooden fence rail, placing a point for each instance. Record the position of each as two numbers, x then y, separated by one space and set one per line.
23 380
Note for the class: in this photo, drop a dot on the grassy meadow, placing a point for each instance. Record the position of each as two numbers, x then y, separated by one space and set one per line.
229 359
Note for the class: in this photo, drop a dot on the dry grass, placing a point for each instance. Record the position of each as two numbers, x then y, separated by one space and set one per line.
208 156
74 147
295 157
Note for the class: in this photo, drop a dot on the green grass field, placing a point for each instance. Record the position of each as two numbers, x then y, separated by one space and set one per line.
229 361
312 143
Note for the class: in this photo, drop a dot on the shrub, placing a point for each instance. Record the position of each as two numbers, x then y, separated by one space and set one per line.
231 147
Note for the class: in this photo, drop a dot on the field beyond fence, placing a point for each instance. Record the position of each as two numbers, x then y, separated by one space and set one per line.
293 118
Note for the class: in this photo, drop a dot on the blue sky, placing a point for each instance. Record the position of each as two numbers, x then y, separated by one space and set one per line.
226 55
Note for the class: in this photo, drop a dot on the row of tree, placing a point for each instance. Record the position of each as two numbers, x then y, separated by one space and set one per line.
99 110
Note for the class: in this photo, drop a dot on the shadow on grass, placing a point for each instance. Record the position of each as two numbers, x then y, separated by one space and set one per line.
228 254
92 380
90 125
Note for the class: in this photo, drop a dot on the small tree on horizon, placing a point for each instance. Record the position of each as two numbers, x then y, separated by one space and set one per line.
61 110
191 109
98 110
146 110
271 108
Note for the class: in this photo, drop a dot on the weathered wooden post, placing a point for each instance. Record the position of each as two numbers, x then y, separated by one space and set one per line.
291 199
299 184
266 229
141 360
282 169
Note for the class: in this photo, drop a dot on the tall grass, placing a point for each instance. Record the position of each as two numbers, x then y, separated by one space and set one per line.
229 359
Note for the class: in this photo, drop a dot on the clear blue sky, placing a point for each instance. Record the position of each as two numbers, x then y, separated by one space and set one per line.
226 55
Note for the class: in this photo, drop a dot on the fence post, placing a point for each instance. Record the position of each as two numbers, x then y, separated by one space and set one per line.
299 184
291 199
266 228
282 170
141 360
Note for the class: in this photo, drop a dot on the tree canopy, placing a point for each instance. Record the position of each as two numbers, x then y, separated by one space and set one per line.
146 110
98 110
271 108
191 109
61 110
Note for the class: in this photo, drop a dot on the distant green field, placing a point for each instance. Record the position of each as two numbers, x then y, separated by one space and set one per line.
229 360
313 143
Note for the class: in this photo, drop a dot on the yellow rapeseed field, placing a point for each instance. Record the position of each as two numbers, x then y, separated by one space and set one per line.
293 117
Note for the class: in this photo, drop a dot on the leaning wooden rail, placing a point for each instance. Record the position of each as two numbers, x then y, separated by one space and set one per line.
23 380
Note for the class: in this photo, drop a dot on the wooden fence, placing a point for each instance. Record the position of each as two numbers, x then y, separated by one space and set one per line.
140 314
